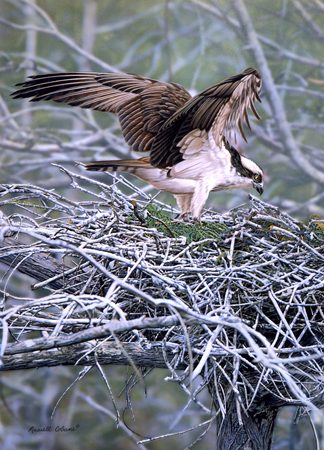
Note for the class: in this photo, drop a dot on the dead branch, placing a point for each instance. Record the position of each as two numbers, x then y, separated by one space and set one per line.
89 354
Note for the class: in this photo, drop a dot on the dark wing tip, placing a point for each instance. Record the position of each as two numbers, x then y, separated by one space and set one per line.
252 71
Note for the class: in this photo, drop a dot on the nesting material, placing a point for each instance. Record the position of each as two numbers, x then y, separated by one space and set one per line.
245 289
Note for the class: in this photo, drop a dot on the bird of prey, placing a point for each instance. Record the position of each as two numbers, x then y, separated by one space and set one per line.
188 138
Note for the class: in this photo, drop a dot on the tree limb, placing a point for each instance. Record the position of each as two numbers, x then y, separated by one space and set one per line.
39 266
272 93
87 354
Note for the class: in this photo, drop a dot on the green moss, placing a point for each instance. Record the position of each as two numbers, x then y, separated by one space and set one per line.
156 218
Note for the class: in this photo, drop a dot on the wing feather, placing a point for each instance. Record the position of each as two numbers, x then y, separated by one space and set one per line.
142 104
154 116
83 88
218 108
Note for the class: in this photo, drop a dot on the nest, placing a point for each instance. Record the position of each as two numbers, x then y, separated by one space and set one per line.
235 303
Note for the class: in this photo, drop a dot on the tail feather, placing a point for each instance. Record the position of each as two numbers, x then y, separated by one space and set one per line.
119 165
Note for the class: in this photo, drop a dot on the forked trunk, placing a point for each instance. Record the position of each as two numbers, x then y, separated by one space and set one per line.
250 431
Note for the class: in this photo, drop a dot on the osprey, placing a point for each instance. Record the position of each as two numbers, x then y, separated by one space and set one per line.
188 138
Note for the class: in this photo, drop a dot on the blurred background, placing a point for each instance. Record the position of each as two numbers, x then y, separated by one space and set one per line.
194 43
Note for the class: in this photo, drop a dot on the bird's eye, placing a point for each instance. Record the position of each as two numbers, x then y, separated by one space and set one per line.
257 178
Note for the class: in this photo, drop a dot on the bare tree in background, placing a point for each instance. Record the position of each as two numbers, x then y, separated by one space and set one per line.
243 314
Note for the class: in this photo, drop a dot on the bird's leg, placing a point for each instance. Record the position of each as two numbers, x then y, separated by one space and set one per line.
199 198
184 201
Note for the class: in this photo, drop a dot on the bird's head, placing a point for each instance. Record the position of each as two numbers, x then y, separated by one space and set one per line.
257 181
250 172
254 173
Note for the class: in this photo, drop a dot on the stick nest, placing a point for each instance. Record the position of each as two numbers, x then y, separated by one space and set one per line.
244 290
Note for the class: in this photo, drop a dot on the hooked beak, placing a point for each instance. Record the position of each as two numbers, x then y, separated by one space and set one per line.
258 188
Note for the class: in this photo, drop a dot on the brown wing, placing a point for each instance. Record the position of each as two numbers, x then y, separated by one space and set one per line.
142 116
142 104
218 108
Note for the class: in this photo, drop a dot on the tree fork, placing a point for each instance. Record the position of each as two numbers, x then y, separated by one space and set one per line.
252 430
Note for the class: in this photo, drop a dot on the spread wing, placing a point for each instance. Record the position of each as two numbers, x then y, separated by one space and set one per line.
217 108
154 116
142 104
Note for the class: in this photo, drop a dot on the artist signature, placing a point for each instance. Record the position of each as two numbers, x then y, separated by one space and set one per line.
50 429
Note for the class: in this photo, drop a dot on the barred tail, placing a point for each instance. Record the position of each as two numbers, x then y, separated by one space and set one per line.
119 165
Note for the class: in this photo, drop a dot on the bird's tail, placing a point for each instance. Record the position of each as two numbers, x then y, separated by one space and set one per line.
119 165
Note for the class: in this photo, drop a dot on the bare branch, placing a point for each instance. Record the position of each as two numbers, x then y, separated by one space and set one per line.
53 30
106 353
274 98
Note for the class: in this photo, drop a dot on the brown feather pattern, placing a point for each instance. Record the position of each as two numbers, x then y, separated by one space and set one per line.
218 107
122 165
154 116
